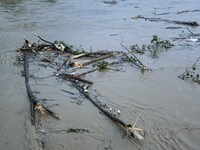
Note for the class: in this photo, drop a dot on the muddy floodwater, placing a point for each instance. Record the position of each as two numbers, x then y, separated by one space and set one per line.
168 106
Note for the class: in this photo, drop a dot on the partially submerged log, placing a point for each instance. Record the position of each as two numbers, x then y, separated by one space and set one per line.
188 23
29 91
75 78
130 129
77 64
34 103
98 59
84 73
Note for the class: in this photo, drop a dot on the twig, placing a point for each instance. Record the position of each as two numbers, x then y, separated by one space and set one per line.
136 120
189 68
190 31
45 59
134 63
69 57
44 40
82 74
48 42
143 66
78 56
68 76
67 91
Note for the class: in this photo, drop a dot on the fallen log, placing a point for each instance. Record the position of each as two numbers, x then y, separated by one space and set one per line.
34 103
189 23
130 129
29 91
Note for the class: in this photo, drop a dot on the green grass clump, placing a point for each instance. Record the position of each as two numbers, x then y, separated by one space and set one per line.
102 65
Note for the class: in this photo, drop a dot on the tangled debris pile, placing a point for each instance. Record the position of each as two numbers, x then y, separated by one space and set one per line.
69 64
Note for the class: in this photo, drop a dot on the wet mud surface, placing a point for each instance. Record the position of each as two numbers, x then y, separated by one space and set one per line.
169 106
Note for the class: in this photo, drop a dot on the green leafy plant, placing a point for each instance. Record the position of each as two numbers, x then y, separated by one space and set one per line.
102 65
191 73
135 48
78 50
157 45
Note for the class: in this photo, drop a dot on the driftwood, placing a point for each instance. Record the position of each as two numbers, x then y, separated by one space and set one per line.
34 103
32 98
186 11
72 77
189 23
46 59
65 61
127 57
77 64
90 71
133 131
98 59
141 65
79 55
181 76
55 46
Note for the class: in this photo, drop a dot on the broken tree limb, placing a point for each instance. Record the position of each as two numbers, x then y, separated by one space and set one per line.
69 57
29 91
33 101
98 59
44 40
79 55
46 59
68 76
127 57
187 70
189 23
141 64
90 71
186 11
133 131
59 47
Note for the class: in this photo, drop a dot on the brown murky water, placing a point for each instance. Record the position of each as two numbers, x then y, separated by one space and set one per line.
169 107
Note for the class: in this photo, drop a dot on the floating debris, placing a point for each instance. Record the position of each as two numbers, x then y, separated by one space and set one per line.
155 48
110 2
191 73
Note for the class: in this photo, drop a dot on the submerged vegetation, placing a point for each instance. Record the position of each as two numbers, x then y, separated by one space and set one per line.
191 73
102 65
155 48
